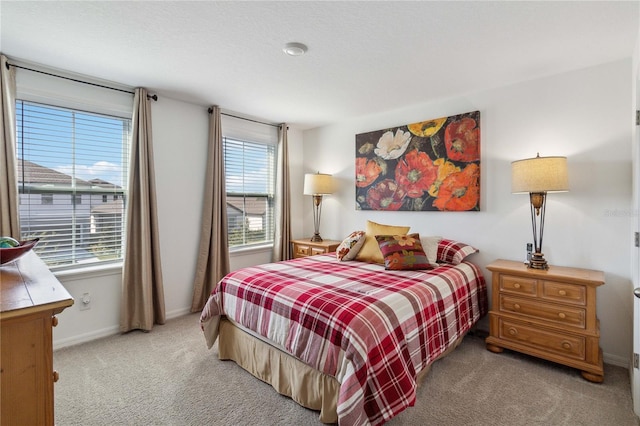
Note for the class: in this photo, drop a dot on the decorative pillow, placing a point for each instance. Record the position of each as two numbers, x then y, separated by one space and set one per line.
454 252
349 248
370 251
403 252
430 246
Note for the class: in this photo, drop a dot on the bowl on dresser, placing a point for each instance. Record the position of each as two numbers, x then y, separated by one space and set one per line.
9 254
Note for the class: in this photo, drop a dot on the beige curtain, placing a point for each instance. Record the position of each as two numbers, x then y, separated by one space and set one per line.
282 237
213 253
9 221
142 292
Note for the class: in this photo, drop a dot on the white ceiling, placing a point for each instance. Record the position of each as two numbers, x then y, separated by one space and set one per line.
363 58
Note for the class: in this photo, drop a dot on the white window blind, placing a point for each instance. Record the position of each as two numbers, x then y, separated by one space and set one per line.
72 176
250 167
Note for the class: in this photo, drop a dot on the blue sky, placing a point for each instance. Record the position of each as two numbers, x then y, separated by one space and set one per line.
54 137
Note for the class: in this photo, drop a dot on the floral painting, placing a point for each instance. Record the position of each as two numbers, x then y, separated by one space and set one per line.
433 165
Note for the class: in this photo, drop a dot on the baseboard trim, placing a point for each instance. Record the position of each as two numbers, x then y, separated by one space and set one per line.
86 337
178 313
106 332
619 361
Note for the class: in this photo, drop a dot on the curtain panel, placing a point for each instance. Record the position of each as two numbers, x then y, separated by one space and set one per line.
142 287
9 219
213 252
282 237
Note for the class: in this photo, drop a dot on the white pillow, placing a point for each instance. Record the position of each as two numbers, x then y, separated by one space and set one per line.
430 247
349 248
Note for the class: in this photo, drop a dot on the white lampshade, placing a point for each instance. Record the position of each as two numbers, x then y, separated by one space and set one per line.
318 184
539 174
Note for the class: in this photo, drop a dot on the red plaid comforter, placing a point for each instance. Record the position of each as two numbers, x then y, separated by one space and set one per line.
374 330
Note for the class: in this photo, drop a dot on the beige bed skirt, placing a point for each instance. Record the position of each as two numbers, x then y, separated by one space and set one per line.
288 375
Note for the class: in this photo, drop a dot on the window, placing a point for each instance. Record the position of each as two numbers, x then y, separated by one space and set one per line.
250 182
73 159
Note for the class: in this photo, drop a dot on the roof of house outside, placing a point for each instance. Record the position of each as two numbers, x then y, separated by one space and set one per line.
250 205
111 207
103 183
35 173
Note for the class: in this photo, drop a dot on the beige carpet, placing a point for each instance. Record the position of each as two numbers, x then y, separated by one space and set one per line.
168 377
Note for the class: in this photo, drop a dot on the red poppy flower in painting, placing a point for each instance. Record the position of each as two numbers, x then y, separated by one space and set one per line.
386 195
367 171
445 168
462 140
416 173
459 191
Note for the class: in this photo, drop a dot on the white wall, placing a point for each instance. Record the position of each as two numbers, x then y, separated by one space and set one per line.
180 132
583 115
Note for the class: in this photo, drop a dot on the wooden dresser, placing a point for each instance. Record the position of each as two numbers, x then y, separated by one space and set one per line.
549 314
30 296
306 247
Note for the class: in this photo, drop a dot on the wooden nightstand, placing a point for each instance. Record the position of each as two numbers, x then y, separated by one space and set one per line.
549 314
306 247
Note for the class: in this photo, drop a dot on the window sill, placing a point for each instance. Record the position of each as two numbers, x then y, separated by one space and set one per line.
250 250
89 271
80 273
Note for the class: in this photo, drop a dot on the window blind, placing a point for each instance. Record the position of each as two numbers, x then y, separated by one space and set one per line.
72 177
250 181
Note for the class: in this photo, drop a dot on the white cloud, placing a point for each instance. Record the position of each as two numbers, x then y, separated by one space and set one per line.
104 170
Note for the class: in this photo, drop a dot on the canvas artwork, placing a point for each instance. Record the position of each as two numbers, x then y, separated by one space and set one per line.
433 165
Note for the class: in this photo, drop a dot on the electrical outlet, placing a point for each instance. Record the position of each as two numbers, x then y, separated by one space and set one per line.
85 301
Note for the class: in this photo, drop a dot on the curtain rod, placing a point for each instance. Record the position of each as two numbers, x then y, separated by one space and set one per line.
154 97
210 110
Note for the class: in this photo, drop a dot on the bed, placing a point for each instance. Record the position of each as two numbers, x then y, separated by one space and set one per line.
349 339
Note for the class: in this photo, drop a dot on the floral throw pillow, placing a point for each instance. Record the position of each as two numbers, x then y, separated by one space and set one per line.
453 252
349 248
403 252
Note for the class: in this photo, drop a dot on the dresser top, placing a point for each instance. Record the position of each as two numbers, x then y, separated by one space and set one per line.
27 285
578 275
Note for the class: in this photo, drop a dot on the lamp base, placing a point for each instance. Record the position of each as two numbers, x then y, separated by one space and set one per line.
316 238
538 262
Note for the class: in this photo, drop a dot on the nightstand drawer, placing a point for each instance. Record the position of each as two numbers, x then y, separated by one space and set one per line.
302 250
561 315
318 250
567 345
567 293
518 285
306 247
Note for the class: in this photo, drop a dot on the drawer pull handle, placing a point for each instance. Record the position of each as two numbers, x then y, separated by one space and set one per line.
562 315
566 345
516 306
562 293
513 331
56 376
54 321
516 285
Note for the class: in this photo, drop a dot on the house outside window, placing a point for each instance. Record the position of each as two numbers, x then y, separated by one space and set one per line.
74 159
